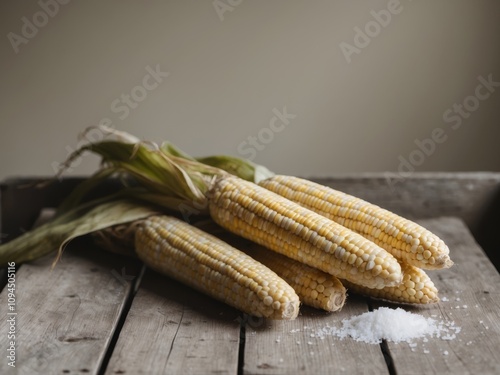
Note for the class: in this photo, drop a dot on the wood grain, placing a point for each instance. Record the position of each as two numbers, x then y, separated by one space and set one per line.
66 317
471 301
173 329
295 347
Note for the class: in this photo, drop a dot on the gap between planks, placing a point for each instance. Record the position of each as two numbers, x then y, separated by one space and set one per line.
202 335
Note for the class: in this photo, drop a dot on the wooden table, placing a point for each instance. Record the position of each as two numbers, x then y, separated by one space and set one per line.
100 313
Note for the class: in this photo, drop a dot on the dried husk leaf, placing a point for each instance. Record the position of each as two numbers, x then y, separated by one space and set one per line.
56 234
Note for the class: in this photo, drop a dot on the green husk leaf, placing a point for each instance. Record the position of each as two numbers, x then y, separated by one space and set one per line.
56 234
153 168
83 188
170 149
242 168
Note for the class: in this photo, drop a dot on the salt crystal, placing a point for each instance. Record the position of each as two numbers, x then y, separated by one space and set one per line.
457 299
464 306
444 299
394 325
309 343
445 352
426 351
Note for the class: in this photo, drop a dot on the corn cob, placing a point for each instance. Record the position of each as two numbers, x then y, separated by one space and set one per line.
175 248
249 210
406 240
270 220
314 287
416 288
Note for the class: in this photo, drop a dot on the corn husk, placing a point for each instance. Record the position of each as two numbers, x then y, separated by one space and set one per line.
151 176
56 234
242 168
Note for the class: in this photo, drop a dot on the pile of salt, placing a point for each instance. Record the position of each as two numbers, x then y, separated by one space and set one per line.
394 325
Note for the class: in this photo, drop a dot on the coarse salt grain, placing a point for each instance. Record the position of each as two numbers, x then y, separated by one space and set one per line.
394 325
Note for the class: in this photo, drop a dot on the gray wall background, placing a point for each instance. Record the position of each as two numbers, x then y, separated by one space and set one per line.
233 64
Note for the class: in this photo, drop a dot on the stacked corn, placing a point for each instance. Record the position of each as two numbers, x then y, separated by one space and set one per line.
321 235
415 247
318 233
315 252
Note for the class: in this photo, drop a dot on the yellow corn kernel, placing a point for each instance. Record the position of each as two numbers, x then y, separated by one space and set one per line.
416 288
279 224
183 252
314 287
406 240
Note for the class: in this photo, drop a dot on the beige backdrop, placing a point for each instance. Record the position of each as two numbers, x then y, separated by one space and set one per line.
304 87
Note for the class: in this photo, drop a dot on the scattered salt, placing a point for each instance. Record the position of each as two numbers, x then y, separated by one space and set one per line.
426 351
464 306
445 352
444 299
394 325
457 299
309 343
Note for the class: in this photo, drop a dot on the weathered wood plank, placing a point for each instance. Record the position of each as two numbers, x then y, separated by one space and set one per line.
293 347
286 347
471 300
66 317
173 329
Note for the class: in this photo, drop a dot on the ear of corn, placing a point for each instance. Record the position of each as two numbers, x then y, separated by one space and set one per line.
175 248
255 213
279 224
406 240
416 288
314 287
